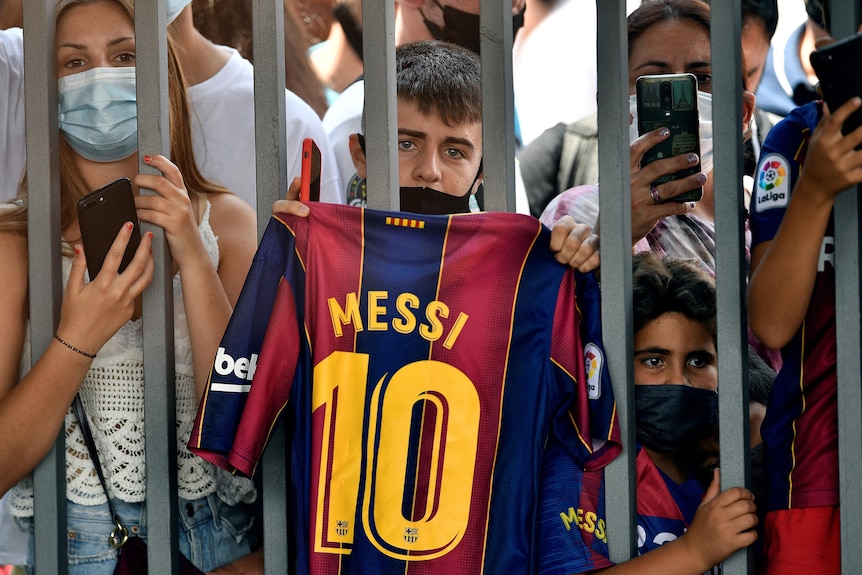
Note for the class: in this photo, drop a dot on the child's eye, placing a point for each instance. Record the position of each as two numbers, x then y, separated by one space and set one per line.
652 361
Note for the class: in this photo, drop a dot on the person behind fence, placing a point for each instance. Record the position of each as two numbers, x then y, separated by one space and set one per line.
455 21
664 37
681 528
221 94
211 235
805 165
438 88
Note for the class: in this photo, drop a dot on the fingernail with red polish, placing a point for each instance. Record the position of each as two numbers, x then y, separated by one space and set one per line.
150 235
129 226
148 159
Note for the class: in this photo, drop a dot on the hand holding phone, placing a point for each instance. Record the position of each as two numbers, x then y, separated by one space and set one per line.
670 100
101 216
835 66
310 190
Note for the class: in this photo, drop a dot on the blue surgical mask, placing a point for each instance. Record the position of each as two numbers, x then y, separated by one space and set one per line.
99 113
174 7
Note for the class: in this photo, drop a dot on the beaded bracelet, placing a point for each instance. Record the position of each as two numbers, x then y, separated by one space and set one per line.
73 348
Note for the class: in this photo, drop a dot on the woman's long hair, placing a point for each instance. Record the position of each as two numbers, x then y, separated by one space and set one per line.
72 185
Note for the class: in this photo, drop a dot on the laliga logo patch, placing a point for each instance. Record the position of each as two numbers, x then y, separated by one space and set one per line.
594 362
772 190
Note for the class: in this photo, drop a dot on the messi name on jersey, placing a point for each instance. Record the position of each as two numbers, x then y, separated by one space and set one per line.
424 361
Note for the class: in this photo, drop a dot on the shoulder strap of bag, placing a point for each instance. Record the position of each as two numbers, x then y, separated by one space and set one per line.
119 535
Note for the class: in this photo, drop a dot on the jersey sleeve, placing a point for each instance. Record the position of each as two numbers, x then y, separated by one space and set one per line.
778 171
589 428
266 298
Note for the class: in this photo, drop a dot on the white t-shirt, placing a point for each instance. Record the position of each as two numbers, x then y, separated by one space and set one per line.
12 143
344 117
223 133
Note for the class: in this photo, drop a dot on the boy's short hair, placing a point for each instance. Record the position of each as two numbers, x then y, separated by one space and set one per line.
440 77
661 286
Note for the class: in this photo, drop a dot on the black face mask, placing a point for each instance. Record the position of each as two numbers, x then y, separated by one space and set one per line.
462 28
433 203
669 416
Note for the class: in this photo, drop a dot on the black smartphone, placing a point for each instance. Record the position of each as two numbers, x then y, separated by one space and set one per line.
670 100
101 216
836 67
310 190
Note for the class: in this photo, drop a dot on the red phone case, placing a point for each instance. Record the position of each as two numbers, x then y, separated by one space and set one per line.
310 189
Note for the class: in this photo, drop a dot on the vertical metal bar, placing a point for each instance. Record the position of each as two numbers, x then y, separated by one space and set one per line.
158 302
381 119
731 269
269 105
271 145
498 105
40 75
845 16
616 231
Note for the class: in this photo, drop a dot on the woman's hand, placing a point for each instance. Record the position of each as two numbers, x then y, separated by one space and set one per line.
170 208
648 205
291 204
93 312
575 244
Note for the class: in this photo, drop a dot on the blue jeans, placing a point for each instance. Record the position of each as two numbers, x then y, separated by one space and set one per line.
211 533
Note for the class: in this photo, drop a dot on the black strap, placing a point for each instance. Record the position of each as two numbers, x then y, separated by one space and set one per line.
119 535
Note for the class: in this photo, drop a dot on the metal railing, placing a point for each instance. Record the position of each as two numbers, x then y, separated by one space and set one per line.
499 146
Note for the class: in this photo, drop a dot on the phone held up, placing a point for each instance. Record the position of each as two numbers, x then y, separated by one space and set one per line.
670 100
310 190
835 66
101 216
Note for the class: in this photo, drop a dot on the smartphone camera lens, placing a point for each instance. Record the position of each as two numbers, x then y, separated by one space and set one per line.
666 98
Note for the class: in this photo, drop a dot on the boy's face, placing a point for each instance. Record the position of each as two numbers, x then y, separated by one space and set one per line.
433 154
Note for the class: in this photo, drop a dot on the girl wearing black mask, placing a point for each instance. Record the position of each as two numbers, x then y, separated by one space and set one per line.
681 529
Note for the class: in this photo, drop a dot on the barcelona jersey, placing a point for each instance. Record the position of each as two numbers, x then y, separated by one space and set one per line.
423 361
800 431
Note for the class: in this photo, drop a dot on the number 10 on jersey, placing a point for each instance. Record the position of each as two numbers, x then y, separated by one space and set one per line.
416 495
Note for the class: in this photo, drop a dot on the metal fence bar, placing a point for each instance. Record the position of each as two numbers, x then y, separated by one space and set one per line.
731 269
271 173
269 105
381 122
616 271
158 301
45 281
845 15
498 106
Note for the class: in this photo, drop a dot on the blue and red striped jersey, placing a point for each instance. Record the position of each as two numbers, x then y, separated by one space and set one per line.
800 430
423 361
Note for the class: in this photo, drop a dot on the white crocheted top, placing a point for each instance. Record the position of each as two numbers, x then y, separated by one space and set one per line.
113 398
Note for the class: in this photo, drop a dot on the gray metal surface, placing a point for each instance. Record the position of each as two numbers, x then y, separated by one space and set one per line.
158 301
271 173
43 171
616 269
498 106
381 125
845 15
731 272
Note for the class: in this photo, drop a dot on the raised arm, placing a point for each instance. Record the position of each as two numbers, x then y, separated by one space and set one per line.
783 270
91 313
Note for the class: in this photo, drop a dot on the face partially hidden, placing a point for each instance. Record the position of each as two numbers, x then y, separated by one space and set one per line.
94 35
672 47
673 349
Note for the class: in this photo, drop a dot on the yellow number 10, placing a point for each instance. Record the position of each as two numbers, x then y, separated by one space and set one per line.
340 383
